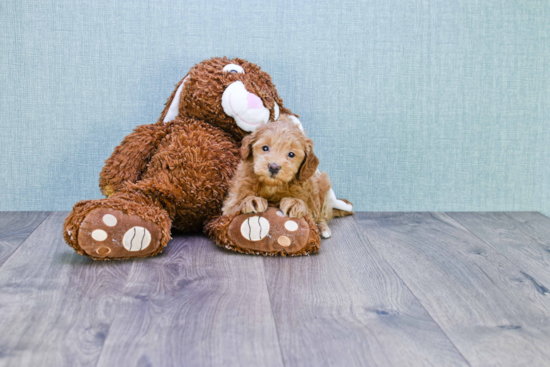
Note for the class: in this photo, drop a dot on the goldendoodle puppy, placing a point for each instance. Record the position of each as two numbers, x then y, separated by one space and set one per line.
279 167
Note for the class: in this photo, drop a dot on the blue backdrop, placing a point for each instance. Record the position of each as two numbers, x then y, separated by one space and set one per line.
412 105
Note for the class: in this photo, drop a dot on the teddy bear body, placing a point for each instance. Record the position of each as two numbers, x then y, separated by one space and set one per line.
175 173
188 169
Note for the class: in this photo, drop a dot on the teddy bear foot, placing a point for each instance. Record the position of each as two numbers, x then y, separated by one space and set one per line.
108 233
270 233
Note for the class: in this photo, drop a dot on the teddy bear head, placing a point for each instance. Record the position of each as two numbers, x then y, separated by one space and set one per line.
232 94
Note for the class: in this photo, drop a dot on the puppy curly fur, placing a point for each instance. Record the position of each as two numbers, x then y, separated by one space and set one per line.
280 168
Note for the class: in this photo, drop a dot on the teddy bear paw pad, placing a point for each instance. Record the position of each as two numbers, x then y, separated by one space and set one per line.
255 228
108 234
270 232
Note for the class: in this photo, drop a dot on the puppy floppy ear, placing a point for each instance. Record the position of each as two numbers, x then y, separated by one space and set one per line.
246 147
309 165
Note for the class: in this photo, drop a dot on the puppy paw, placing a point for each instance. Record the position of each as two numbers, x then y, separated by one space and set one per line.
324 230
253 204
292 207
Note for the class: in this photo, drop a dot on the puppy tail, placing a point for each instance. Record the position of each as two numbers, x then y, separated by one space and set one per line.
340 207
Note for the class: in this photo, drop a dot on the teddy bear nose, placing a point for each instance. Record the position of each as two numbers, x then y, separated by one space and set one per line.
273 167
254 102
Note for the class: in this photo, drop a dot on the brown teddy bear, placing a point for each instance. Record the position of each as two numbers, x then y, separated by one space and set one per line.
176 173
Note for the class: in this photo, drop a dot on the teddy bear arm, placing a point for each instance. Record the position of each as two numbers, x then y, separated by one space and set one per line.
131 157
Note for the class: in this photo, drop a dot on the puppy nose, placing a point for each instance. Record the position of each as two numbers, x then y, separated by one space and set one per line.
274 167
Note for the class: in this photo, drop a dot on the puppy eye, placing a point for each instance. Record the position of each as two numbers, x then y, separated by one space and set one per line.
265 148
232 68
291 155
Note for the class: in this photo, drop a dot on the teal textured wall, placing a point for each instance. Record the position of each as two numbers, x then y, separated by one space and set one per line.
441 105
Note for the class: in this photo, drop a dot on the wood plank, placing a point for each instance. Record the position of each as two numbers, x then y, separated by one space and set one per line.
15 227
535 225
195 305
525 241
56 306
345 306
479 298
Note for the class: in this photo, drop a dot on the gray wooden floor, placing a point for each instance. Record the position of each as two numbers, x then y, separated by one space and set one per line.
388 289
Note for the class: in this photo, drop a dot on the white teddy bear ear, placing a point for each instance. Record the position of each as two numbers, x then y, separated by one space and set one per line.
296 122
173 110
276 111
338 204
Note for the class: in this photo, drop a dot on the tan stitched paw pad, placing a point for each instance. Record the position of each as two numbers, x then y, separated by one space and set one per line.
109 233
270 232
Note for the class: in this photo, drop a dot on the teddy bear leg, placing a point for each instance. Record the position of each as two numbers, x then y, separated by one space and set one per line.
270 233
126 225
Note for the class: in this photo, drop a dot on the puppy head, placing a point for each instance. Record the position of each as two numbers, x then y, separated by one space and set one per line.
280 153
232 94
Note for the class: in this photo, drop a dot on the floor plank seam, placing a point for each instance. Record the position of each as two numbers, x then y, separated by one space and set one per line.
26 239
413 294
273 314
539 287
